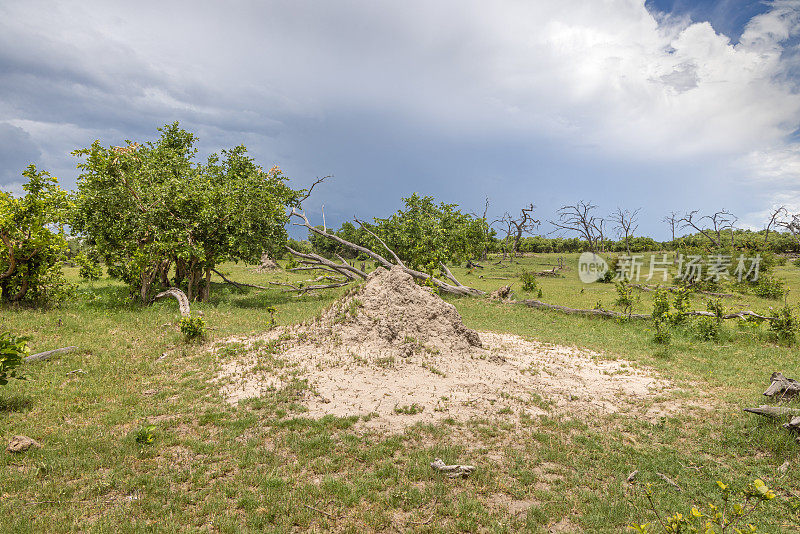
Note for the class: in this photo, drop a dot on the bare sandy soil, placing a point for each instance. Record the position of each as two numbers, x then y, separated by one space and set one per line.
397 354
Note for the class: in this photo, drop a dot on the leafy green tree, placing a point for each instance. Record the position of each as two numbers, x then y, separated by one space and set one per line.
150 209
32 242
425 234
13 350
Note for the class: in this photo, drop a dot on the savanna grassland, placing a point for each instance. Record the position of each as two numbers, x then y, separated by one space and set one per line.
136 436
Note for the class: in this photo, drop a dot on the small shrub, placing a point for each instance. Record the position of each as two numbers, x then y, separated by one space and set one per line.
663 335
13 350
193 328
89 268
769 288
625 299
785 326
611 272
732 510
145 435
271 311
660 304
529 282
707 329
715 307
682 305
661 317
796 262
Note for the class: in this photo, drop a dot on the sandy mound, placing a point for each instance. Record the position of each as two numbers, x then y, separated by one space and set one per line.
267 264
397 354
392 316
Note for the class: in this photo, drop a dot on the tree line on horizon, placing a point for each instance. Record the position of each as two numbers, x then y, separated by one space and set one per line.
155 218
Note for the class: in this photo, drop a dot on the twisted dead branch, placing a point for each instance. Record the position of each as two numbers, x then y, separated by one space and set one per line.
180 296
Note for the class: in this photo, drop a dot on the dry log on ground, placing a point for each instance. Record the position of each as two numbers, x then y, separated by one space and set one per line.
782 388
613 314
780 413
180 296
452 471
237 285
551 273
40 356
531 303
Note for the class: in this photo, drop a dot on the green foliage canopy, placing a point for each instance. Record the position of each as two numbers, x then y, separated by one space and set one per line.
425 234
32 242
146 208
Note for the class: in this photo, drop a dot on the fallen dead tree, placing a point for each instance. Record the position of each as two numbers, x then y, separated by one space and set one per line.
780 413
781 388
46 355
311 261
532 303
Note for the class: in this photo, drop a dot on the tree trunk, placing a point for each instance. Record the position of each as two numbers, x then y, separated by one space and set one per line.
205 291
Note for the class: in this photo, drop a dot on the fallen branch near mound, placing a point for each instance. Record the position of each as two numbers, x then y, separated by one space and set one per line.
452 471
781 387
237 285
311 260
780 413
180 296
531 303
41 356
553 273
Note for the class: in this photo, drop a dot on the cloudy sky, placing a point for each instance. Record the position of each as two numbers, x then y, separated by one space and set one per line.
661 105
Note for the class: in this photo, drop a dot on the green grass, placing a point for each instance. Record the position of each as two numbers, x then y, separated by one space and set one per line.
264 465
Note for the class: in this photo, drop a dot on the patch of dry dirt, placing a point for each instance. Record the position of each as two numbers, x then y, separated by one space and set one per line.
396 351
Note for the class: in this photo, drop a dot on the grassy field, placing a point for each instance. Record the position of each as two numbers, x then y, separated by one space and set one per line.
263 466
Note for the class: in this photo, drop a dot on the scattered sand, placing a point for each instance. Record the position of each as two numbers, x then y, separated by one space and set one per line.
395 352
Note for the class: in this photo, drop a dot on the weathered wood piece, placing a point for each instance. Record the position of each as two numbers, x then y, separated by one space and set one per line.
781 388
452 471
22 444
779 412
180 296
669 481
501 293
531 303
46 355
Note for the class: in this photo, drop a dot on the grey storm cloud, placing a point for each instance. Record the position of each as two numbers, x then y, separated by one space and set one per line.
17 151
535 100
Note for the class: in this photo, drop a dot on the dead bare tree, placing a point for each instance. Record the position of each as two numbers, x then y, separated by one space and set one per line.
719 221
792 225
673 221
516 227
625 224
578 218
347 273
775 220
